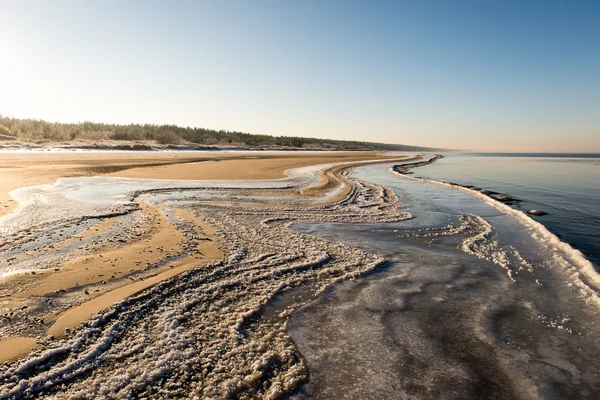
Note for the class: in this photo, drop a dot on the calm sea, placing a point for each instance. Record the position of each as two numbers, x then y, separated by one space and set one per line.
566 186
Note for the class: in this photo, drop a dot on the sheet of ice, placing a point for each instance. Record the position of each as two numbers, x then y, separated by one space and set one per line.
470 305
583 274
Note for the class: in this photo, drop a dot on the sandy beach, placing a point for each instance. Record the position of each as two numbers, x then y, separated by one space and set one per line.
20 169
329 278
296 200
104 260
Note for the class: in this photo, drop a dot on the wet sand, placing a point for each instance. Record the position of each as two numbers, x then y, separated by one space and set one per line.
58 299
14 347
100 279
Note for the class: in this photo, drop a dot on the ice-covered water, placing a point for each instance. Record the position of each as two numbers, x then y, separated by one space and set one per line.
566 186
469 305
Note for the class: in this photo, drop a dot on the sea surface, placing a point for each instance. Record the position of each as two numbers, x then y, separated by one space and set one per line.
566 186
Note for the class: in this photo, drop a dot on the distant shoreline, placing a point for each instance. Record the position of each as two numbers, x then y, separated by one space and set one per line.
533 155
16 132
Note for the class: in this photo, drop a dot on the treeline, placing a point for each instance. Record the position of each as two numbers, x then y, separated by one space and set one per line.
35 130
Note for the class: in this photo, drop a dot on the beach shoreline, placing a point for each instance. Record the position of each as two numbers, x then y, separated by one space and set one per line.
585 276
237 323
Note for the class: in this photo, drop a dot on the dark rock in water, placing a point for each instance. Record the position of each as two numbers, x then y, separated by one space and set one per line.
503 198
536 212
465 186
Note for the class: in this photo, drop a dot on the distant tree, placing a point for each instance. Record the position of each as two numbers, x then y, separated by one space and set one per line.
168 137
31 129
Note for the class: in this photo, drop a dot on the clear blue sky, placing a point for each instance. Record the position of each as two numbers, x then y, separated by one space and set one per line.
491 75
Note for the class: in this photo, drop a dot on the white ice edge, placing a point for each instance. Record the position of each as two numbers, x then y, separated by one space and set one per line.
540 233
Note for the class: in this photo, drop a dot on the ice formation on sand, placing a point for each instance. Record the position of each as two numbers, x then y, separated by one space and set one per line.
205 333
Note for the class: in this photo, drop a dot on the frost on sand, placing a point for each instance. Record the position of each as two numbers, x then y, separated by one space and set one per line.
205 333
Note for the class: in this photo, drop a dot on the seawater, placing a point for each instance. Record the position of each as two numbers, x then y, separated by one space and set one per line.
511 319
566 186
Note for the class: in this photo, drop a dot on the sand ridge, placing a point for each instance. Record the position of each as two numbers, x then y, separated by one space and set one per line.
96 281
21 169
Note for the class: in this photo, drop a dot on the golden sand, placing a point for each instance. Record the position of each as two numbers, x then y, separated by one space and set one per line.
209 249
100 267
15 347
106 269
76 315
265 167
29 169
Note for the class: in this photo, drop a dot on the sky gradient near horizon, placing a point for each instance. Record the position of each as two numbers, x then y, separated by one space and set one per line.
485 75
